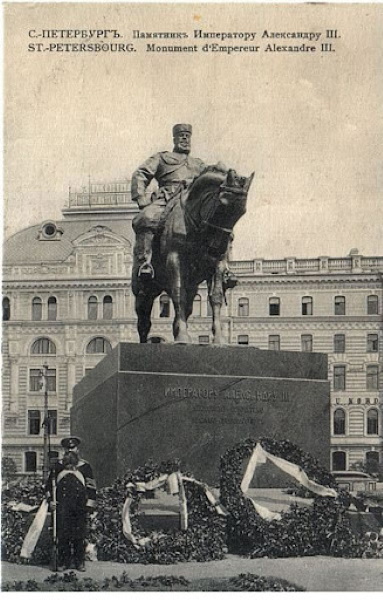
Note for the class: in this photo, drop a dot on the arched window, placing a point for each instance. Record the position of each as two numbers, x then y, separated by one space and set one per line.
6 309
338 461
307 305
30 462
243 307
52 309
339 422
37 309
164 306
98 345
372 422
43 346
274 307
92 308
372 305
197 305
107 307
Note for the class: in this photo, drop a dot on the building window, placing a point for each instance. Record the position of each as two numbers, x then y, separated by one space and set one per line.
307 343
52 309
197 306
53 456
243 307
339 343
92 308
52 422
339 422
340 305
307 305
274 342
243 340
164 306
372 305
209 309
37 309
98 345
372 377
36 380
43 346
34 423
372 342
372 422
6 309
372 457
203 339
339 378
274 306
107 307
30 462
338 461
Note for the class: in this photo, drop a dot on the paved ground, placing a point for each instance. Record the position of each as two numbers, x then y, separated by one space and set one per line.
313 573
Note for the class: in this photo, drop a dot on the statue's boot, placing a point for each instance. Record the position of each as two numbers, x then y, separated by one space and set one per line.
144 240
229 280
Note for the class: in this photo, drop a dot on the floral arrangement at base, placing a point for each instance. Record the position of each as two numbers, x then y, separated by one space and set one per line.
324 528
204 539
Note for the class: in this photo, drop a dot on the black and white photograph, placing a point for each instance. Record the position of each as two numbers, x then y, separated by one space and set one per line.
192 273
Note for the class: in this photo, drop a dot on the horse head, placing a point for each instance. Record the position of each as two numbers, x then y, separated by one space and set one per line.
218 199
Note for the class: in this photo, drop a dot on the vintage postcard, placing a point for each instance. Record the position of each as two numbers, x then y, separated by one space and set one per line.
192 297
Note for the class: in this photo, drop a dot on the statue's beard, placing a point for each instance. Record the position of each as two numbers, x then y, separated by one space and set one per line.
182 150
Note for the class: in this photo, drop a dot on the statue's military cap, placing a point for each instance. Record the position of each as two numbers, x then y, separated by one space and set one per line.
180 127
70 442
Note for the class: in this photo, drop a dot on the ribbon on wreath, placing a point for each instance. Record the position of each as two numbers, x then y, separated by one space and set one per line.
34 532
174 484
259 457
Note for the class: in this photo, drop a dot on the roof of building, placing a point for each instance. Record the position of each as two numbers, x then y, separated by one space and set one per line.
27 247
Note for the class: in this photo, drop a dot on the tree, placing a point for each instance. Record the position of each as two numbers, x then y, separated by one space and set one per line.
8 468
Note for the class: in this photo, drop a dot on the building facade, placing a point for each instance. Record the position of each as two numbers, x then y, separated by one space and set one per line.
67 301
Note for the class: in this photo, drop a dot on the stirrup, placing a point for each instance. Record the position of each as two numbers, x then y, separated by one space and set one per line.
146 272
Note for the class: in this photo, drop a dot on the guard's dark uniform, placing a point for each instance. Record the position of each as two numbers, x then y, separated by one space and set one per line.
75 497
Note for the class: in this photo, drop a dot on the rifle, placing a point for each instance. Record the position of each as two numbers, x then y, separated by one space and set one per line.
54 521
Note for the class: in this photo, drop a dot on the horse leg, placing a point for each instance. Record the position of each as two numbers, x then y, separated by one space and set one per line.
144 305
178 295
216 297
190 295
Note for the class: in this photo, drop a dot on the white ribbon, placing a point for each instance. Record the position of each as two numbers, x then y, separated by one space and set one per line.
174 484
259 457
34 531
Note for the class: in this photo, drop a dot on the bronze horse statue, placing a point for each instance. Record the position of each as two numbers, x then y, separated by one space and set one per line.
185 256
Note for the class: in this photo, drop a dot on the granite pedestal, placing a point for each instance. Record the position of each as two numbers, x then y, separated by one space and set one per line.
191 402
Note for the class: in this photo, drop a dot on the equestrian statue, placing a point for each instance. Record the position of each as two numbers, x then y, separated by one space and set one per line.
183 232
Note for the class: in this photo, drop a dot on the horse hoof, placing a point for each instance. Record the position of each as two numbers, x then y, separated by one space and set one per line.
183 339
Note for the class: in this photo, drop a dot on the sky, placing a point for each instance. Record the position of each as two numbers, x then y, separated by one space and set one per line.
310 125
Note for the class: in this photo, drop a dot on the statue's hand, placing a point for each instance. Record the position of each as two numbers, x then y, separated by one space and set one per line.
143 202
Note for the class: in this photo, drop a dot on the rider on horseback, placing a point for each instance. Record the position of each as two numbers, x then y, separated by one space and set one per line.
174 172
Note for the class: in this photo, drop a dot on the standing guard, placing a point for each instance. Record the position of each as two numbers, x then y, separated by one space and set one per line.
75 491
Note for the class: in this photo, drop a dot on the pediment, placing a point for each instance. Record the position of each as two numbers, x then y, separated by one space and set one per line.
100 235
